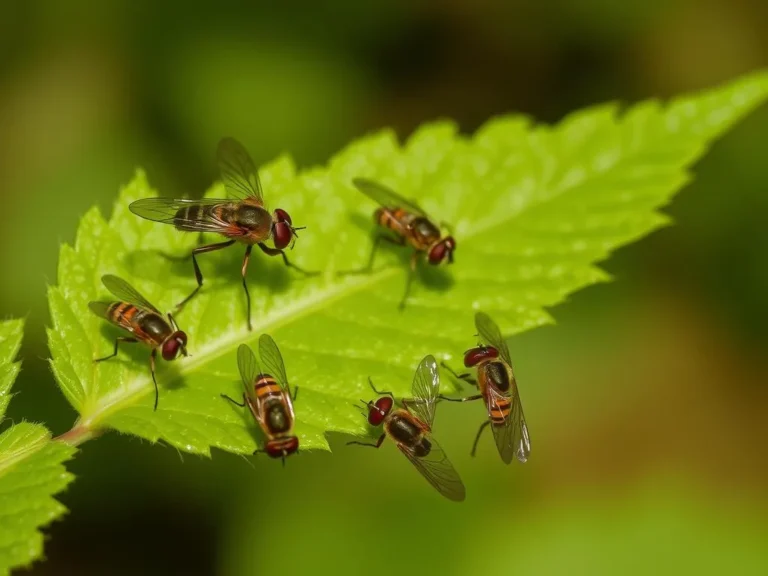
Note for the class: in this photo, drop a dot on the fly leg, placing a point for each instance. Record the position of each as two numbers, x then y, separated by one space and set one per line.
380 392
483 426
126 339
243 271
154 380
376 445
275 251
295 394
467 399
235 402
399 241
198 274
409 280
466 376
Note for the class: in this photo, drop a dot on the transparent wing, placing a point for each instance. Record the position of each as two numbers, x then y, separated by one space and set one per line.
425 388
238 171
437 469
273 360
248 366
187 215
127 293
512 439
490 332
101 309
385 196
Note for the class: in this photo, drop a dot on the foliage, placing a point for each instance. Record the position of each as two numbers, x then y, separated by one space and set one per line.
31 469
533 209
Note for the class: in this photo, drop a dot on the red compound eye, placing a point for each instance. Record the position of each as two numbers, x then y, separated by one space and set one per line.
379 410
282 235
282 216
476 355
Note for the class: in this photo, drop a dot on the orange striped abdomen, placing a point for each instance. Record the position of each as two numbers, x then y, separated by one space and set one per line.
395 219
499 409
147 326
267 386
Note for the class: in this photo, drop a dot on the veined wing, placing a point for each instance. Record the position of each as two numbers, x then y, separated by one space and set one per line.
386 197
187 215
127 293
239 173
512 439
425 388
273 360
437 469
249 368
490 332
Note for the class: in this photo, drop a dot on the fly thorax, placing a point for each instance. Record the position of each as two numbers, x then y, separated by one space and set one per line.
403 430
277 417
497 374
155 326
426 232
253 218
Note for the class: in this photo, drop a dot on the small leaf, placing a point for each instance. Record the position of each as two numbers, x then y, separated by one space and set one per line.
31 470
533 208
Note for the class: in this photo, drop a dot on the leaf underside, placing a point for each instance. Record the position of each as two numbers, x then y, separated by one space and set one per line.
31 470
533 209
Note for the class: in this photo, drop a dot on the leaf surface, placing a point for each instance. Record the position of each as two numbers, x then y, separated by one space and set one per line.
533 208
31 469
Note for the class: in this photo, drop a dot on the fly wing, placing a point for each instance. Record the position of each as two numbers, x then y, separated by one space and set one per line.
511 436
127 293
437 469
490 332
425 388
273 360
241 179
385 196
248 366
186 215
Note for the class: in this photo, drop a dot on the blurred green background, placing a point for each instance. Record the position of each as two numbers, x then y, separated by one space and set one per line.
647 404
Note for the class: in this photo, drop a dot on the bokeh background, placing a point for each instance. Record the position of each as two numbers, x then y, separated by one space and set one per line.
647 403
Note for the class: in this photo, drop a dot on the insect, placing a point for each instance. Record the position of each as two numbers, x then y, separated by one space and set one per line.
410 427
498 388
242 218
268 396
132 312
410 225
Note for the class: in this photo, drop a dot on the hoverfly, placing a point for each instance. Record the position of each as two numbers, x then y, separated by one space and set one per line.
268 396
138 316
410 427
411 226
242 218
498 388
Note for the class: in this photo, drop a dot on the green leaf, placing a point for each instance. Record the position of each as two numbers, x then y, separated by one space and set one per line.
31 470
533 209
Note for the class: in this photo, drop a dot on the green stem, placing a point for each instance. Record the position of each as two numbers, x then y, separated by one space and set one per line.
78 434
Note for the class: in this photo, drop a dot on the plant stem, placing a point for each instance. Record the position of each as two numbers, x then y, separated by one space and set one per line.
77 435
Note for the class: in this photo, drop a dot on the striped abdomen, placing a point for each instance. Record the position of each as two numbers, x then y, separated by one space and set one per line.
146 325
189 216
395 219
276 417
267 386
495 381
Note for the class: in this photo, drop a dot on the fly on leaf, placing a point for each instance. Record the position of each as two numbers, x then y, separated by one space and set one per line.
136 315
268 396
410 427
408 225
241 218
498 389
